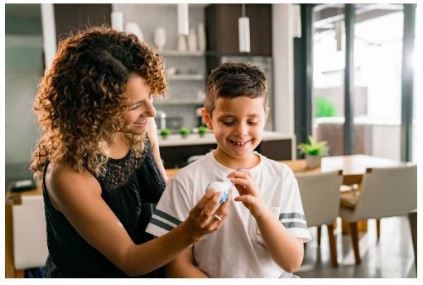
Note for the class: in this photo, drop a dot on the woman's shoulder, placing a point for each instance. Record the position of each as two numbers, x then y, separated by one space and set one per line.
60 172
63 182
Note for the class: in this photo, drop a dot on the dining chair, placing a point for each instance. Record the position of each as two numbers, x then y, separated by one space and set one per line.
385 192
320 197
29 234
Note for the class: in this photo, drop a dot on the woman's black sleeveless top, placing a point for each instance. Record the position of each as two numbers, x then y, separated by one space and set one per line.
131 187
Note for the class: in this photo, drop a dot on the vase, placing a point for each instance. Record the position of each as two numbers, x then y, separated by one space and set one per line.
192 41
313 161
182 43
133 28
201 37
160 38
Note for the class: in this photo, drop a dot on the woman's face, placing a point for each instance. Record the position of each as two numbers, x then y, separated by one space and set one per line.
140 105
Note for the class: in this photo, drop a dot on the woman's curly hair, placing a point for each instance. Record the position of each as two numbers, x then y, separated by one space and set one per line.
80 99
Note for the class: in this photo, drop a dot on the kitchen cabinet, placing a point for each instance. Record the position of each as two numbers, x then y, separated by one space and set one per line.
222 28
185 73
74 17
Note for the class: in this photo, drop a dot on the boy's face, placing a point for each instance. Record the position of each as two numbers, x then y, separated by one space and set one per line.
238 125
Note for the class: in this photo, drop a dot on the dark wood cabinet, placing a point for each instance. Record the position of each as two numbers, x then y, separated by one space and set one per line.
222 28
74 17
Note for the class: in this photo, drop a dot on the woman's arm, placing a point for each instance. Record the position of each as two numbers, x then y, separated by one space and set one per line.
152 135
183 266
78 197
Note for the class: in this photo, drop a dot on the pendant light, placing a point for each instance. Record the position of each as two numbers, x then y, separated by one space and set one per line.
338 35
244 32
117 21
183 19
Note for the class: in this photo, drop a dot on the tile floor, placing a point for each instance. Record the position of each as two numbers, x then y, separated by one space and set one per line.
391 257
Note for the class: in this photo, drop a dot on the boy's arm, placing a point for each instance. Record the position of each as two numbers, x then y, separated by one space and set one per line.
183 266
285 249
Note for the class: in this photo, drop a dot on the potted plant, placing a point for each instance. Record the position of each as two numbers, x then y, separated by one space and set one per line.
184 132
202 131
313 151
164 133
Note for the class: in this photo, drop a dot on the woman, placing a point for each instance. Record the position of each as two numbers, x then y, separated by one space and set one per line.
99 160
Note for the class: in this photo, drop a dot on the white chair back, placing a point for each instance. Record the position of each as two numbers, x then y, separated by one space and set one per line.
320 196
29 233
388 192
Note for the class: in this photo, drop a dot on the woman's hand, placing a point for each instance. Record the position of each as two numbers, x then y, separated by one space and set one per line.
207 216
248 193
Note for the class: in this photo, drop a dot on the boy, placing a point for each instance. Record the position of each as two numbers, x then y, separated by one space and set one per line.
265 227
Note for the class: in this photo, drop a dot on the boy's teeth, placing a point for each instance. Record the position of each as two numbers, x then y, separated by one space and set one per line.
238 143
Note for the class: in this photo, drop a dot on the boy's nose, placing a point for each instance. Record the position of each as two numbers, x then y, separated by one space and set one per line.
241 129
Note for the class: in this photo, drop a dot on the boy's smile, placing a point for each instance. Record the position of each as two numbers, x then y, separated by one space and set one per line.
238 125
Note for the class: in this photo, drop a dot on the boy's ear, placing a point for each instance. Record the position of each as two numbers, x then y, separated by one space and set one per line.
267 112
206 118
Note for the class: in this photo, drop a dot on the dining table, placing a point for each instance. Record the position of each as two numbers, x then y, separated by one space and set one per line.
353 166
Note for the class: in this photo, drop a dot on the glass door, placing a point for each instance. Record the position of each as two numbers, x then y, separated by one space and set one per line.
377 57
376 92
328 75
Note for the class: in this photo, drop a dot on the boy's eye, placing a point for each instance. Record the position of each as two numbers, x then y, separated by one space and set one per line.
228 123
253 123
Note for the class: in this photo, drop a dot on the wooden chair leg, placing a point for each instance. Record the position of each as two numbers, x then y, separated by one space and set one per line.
319 234
19 273
412 218
378 229
332 246
354 237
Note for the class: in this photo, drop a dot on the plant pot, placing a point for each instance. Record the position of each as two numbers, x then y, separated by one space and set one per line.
313 161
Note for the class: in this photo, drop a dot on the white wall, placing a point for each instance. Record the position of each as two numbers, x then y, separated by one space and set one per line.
283 55
283 18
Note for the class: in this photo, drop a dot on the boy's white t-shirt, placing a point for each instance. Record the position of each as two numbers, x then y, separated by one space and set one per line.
237 249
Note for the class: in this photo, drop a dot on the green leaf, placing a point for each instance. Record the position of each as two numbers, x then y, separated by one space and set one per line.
313 147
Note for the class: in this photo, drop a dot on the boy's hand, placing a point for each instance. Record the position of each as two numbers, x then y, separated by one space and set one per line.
248 193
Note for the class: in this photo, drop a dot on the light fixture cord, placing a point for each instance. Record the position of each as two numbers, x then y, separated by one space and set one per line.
243 10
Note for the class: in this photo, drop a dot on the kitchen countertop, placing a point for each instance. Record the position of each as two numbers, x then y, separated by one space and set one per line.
195 139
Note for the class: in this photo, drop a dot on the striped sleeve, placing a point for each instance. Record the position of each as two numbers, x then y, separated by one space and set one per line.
172 209
292 213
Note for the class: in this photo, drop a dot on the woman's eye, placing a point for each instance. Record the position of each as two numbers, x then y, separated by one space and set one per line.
134 107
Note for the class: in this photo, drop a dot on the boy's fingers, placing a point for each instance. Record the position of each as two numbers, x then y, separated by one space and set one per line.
239 181
238 174
244 199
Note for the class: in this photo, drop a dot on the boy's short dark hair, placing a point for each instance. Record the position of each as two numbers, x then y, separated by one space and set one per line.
234 79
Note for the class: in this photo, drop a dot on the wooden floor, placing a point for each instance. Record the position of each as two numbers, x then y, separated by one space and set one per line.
390 257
